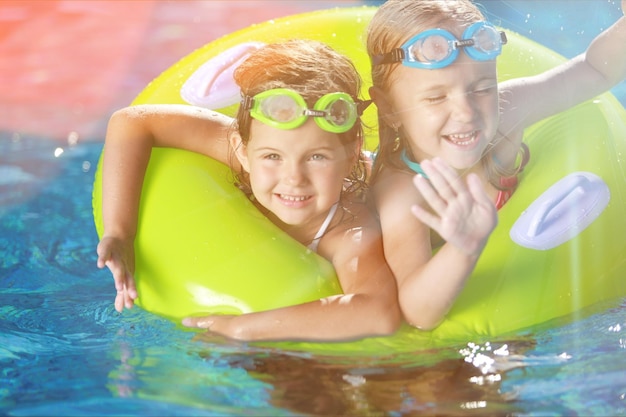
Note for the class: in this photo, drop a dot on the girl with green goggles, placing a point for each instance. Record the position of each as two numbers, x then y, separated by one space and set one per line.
284 108
307 179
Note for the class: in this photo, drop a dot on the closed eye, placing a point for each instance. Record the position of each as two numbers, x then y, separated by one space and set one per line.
485 90
487 86
436 99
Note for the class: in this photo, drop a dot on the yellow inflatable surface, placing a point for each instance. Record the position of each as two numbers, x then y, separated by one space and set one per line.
559 245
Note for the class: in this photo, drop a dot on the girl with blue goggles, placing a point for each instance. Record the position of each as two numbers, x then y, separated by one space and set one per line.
464 129
438 48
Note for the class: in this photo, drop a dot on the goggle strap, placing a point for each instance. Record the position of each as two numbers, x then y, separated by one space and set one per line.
396 55
246 102
361 105
503 38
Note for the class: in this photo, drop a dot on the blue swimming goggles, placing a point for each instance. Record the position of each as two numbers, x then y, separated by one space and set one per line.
438 48
285 109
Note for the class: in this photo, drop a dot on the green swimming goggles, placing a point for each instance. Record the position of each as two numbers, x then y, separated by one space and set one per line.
286 109
438 48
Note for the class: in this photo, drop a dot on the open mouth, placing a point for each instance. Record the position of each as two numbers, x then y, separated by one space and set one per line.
293 198
462 139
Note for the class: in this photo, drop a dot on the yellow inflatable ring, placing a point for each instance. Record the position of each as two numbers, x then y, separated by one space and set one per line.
202 247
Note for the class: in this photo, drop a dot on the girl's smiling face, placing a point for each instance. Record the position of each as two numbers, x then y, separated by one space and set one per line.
450 112
296 174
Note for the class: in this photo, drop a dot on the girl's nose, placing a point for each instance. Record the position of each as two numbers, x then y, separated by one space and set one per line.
294 173
464 109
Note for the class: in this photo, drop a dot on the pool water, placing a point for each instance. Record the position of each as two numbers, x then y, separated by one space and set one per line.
65 351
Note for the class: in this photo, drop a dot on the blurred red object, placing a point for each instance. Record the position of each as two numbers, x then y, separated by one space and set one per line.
66 65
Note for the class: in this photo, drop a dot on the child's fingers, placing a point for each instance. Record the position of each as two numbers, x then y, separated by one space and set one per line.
119 276
438 180
477 191
199 322
129 301
431 195
449 176
119 301
426 217
104 254
130 287
123 299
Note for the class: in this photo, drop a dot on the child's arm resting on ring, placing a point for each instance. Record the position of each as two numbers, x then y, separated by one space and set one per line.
131 134
368 307
119 256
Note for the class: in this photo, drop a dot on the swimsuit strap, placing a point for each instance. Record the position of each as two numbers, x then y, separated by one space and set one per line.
413 166
316 240
502 197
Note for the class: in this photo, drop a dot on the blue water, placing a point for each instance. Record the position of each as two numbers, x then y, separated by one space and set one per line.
65 351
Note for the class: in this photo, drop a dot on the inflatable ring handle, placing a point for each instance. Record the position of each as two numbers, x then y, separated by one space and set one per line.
562 211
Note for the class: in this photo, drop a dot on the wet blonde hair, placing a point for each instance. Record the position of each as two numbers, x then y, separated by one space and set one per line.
312 69
394 23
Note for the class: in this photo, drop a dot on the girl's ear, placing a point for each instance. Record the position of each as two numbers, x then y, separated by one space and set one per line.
240 150
385 109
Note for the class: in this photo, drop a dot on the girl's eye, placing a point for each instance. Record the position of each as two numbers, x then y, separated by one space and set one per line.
437 99
272 157
318 157
484 91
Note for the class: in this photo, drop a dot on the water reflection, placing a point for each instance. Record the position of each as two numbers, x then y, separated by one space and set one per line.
318 385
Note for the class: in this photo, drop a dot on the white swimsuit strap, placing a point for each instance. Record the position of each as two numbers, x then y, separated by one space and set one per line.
316 240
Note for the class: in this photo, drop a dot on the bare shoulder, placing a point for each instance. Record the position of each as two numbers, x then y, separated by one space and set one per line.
355 231
358 217
394 194
355 248
407 241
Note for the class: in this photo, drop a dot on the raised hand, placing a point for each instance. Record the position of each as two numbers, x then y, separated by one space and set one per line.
462 214
119 256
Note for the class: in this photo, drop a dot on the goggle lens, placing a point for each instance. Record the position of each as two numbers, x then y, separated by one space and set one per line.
340 112
280 108
487 40
434 48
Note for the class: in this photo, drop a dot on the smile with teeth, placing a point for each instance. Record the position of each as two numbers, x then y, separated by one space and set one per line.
462 139
294 198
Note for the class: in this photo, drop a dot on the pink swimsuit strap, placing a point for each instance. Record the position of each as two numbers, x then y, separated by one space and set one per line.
510 183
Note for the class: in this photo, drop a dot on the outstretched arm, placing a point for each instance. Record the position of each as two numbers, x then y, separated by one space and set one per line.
607 52
603 65
131 134
368 306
